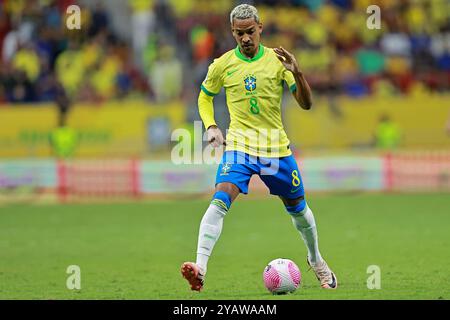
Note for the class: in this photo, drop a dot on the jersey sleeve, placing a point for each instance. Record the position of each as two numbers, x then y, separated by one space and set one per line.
206 109
213 81
288 77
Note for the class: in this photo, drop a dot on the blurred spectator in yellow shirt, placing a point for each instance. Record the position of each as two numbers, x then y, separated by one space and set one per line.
104 78
387 134
27 60
166 75
69 68
143 24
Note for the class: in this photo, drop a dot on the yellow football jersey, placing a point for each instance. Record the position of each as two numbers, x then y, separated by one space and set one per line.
254 89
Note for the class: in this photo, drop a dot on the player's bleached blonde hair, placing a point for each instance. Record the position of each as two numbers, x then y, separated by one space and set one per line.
244 11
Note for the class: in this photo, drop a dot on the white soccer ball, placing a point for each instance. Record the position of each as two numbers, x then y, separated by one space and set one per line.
282 276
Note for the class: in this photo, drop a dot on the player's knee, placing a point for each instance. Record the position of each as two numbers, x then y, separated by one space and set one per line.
297 209
222 200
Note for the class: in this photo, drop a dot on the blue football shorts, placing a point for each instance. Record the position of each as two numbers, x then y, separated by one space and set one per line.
280 175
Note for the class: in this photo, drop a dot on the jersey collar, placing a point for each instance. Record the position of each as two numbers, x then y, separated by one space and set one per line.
242 57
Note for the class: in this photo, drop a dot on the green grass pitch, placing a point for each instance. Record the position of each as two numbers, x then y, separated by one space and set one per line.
134 250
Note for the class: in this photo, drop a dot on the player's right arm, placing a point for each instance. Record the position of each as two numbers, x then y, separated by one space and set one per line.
206 110
211 87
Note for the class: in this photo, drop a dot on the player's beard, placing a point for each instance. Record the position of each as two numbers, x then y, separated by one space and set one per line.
249 51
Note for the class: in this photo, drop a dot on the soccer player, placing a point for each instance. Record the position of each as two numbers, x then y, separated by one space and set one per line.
253 76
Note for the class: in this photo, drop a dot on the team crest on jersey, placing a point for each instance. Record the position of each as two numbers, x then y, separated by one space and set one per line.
250 82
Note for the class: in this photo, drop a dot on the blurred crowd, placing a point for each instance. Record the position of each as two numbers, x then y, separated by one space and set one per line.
166 46
41 55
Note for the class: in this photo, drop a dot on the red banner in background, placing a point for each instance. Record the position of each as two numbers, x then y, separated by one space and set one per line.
98 178
421 171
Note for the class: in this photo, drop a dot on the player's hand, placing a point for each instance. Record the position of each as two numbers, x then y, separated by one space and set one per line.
287 59
215 137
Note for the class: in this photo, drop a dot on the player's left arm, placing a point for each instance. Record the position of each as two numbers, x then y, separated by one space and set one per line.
302 93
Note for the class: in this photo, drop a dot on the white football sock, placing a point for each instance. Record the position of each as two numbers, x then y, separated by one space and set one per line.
210 229
306 225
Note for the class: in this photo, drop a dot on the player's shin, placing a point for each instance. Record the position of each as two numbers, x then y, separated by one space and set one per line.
211 228
305 223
